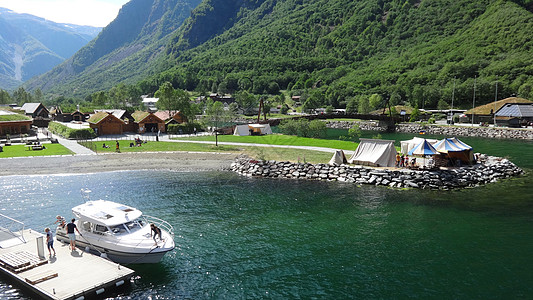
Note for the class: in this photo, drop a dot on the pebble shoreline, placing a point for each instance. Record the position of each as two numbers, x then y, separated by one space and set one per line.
491 170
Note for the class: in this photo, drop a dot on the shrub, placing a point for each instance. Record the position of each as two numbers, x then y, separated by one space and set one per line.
71 133
186 128
303 128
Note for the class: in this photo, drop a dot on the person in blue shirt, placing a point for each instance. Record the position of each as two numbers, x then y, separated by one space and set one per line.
50 241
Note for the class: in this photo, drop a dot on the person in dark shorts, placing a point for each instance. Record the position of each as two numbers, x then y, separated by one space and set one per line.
71 235
157 231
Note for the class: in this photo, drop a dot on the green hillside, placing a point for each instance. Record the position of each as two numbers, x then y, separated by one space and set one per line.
409 51
335 52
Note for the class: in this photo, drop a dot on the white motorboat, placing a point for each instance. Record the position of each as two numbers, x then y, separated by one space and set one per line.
120 232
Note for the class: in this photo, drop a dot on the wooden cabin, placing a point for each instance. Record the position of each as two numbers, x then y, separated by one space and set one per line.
105 123
148 122
11 123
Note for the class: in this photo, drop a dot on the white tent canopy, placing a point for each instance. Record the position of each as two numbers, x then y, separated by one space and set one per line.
338 158
241 130
373 152
406 146
246 129
264 128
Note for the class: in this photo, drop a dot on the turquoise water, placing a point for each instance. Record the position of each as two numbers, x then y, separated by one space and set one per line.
252 238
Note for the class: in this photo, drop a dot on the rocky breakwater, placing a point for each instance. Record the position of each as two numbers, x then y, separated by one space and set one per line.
486 132
491 170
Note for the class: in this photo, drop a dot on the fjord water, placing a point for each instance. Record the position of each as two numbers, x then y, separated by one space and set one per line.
253 238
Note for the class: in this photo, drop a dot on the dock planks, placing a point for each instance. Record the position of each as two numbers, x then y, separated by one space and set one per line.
68 275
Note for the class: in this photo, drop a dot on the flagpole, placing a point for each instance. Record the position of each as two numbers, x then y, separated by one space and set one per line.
495 99
474 100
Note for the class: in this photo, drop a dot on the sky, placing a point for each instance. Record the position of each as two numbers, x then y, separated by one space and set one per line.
98 13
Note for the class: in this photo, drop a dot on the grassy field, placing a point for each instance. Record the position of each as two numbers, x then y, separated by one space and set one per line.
278 139
265 153
158 147
22 151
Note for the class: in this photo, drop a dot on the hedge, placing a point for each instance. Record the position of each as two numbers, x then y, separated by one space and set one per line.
186 128
71 133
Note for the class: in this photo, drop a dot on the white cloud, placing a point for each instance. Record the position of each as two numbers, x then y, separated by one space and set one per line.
81 12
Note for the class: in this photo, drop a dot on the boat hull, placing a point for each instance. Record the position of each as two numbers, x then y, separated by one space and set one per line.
153 256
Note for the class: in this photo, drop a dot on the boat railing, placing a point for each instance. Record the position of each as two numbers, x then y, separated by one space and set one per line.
161 224
12 226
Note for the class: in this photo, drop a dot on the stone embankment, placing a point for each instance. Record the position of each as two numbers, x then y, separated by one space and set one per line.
486 132
491 170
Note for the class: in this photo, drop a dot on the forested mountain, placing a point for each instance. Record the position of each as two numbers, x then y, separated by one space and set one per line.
333 52
31 45
124 50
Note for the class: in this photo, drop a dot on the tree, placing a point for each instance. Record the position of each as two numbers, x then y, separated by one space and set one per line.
38 95
351 106
21 96
118 95
99 98
4 97
215 116
375 101
174 100
415 114
247 102
354 132
364 106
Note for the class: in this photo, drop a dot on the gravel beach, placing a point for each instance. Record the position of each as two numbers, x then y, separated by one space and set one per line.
80 164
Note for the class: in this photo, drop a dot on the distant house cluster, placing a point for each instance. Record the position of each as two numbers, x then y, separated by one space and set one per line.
19 120
119 121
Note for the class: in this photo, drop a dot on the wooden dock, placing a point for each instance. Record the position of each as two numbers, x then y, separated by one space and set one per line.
68 275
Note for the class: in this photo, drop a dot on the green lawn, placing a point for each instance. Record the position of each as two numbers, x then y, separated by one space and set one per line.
158 147
279 139
22 151
265 153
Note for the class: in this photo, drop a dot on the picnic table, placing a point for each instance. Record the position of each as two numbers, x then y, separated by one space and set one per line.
35 147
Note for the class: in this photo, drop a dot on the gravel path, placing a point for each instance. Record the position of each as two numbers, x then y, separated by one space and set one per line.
80 164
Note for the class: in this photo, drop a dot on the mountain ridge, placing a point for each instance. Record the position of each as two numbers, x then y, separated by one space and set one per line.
133 44
31 45
332 52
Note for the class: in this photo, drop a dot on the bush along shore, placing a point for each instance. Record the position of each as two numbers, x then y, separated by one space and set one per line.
486 132
491 170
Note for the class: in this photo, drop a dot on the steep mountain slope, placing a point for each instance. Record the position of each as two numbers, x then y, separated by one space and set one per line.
31 45
333 51
404 50
122 50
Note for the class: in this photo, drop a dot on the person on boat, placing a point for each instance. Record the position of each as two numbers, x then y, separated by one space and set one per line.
50 241
61 221
71 235
157 231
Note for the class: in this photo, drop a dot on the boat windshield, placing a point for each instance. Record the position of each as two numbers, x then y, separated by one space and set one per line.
131 226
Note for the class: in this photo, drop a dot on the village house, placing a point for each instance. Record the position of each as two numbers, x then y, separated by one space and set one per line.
13 123
104 123
150 103
148 122
35 110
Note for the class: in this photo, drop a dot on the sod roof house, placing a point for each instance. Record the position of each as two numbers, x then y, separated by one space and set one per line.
106 123
148 122
12 123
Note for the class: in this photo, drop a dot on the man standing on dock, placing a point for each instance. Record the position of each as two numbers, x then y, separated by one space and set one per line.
71 235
